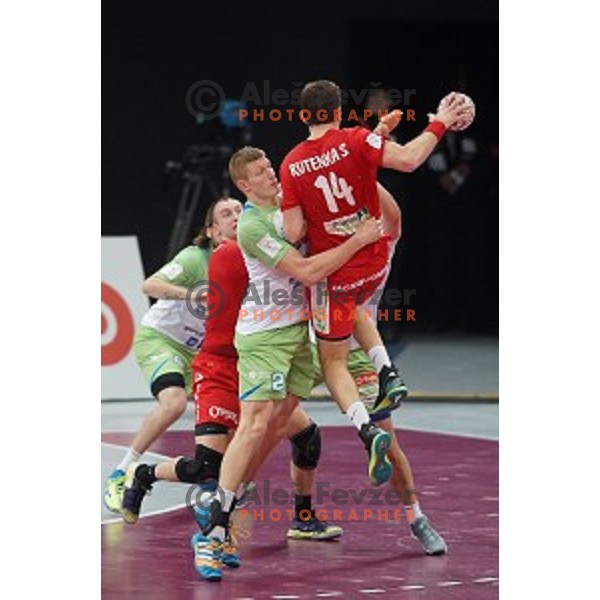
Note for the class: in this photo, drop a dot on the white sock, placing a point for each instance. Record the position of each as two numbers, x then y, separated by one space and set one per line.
131 456
240 491
228 498
218 532
413 512
357 413
379 357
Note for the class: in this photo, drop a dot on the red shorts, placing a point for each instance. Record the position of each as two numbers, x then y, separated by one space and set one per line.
215 389
333 304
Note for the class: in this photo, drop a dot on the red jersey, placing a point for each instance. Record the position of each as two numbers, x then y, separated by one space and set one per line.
334 180
228 280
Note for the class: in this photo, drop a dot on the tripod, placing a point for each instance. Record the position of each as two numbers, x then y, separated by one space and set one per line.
194 184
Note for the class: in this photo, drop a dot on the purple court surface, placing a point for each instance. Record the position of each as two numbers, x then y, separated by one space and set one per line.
457 480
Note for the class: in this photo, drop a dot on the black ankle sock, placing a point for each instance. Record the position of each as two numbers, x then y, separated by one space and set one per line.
145 473
301 505
223 520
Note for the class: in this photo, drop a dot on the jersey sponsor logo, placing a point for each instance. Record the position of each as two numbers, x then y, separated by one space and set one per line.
193 342
346 226
269 245
359 282
216 412
171 271
374 140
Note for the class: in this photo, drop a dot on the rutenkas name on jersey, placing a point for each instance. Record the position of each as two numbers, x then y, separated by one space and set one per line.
321 161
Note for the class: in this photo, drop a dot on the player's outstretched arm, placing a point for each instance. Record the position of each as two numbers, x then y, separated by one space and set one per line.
314 268
408 157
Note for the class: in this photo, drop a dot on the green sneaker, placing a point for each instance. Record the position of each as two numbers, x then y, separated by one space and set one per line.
135 491
114 488
377 443
392 390
313 529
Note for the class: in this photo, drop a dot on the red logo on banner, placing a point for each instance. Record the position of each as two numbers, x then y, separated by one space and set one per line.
117 348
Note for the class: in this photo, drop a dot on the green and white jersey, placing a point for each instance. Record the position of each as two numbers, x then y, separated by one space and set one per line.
274 299
174 318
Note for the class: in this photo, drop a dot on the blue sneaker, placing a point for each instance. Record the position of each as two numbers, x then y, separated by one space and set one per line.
207 556
113 491
230 557
201 506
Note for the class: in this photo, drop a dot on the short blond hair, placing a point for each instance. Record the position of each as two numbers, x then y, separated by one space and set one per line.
241 159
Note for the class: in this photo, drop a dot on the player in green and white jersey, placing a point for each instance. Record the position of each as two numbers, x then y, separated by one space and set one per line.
170 334
275 364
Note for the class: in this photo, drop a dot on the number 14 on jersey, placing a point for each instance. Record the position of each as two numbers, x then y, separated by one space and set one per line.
334 187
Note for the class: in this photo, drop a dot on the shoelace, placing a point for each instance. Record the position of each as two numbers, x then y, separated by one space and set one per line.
428 532
213 547
314 524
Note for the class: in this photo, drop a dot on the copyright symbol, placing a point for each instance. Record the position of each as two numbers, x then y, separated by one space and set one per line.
205 300
203 503
204 99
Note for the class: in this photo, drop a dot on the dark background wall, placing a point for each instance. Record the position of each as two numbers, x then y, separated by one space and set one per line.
153 53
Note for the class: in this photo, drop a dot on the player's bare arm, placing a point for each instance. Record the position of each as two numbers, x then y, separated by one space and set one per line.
314 268
390 213
294 224
163 290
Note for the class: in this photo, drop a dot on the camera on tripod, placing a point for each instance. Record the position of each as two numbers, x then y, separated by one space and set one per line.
201 175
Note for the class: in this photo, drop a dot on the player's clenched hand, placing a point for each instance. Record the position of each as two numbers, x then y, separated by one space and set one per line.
388 123
455 109
369 231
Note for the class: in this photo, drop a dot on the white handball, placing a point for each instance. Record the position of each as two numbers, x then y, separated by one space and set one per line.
467 118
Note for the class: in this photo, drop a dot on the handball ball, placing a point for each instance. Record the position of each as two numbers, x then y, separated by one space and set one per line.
467 118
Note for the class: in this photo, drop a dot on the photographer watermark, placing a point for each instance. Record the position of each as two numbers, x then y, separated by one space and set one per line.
205 100
266 502
291 114
207 299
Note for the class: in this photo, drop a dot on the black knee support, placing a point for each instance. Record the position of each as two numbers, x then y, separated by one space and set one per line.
166 381
210 429
204 466
306 448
